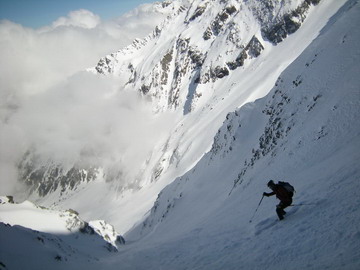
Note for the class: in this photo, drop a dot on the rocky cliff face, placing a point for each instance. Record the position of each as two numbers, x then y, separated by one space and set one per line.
47 177
201 43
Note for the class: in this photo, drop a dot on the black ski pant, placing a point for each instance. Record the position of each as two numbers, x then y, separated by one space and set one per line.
280 208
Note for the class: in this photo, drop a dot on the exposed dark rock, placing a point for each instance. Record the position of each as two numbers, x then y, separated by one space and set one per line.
87 229
10 199
230 10
165 4
197 58
133 76
198 12
103 65
165 64
288 24
214 73
254 47
219 22
58 258
145 89
45 179
252 50
220 72
120 240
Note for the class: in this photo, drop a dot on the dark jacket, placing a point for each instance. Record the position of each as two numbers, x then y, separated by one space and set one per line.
281 193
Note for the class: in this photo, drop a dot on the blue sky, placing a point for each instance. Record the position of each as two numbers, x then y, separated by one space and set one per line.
38 13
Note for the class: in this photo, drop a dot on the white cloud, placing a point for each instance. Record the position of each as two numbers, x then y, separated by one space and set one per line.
88 120
80 18
33 60
46 101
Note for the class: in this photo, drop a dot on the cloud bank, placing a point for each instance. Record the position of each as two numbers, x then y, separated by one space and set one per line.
49 104
80 18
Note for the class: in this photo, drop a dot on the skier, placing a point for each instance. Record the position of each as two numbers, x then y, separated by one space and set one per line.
283 194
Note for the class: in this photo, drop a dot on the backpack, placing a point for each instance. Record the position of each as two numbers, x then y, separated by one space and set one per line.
289 188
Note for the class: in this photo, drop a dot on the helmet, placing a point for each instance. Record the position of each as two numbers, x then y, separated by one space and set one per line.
270 183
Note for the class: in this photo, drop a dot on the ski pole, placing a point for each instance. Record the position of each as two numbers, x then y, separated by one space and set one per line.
256 209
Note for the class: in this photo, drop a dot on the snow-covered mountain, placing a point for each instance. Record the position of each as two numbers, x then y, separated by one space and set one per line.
202 42
50 236
207 64
304 131
205 60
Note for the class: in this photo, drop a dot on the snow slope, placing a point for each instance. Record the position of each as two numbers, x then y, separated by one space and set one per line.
191 132
303 131
35 237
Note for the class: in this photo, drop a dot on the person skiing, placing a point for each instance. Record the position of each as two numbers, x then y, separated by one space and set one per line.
283 193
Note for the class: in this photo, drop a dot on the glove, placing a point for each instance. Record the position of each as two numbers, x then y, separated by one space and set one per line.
265 194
